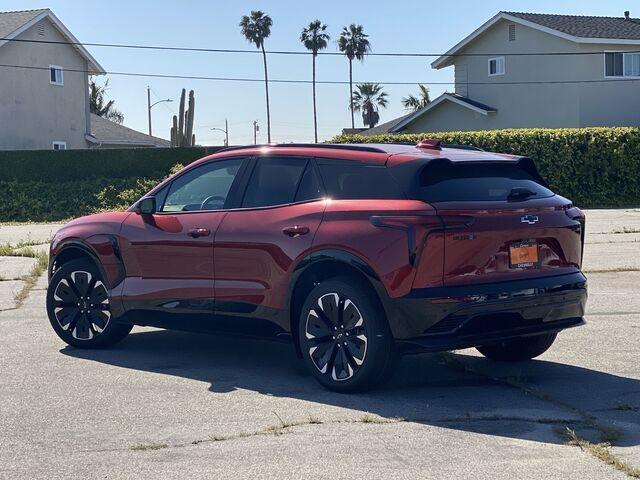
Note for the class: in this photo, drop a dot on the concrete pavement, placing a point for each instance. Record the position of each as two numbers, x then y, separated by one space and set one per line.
177 405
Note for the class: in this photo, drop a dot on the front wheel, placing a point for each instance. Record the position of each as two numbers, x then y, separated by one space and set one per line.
79 308
344 336
518 349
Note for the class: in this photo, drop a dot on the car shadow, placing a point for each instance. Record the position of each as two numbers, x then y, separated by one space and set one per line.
527 400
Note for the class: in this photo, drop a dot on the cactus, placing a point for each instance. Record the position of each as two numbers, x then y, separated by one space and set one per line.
182 129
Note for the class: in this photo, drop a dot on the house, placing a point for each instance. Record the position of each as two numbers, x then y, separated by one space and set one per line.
521 70
108 134
44 90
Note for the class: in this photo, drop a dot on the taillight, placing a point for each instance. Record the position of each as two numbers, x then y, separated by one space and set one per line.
419 227
574 213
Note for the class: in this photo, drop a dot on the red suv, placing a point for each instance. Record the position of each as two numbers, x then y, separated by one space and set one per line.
354 252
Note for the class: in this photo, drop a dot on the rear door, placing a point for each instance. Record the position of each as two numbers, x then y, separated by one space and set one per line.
516 227
257 245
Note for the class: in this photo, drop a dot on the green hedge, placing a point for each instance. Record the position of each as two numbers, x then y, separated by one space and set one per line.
595 167
67 165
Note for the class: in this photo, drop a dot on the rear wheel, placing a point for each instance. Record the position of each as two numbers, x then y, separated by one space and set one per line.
79 308
344 336
518 349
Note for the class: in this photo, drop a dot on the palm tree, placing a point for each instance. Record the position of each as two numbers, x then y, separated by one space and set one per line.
368 97
416 103
98 105
315 39
354 44
255 28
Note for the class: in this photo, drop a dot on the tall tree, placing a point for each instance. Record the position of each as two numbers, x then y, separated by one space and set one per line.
368 97
255 28
414 103
315 39
354 44
99 105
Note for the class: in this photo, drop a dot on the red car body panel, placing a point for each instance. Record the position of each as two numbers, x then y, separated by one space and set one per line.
255 257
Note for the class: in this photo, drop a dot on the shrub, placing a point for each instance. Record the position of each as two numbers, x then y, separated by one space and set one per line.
595 167
67 165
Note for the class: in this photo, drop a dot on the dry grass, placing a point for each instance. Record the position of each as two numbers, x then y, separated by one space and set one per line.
627 230
601 451
30 280
141 447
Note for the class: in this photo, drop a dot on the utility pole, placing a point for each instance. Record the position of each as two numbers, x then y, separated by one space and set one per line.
256 129
149 107
226 132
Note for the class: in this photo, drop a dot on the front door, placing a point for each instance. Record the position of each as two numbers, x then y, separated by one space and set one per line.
169 255
258 245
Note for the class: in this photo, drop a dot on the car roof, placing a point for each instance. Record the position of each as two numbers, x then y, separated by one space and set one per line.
371 153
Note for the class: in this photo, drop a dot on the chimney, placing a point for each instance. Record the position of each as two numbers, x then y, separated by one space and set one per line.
626 15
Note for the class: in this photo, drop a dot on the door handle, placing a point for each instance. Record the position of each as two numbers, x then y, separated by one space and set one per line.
295 230
199 232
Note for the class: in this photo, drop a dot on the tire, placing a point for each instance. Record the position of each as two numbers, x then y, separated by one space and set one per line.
345 354
518 349
78 307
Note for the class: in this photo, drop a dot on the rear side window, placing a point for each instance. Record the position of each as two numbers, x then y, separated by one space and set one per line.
446 182
274 181
353 180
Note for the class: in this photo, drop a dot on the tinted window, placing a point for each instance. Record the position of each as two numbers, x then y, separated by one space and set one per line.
309 188
352 180
202 188
476 182
274 181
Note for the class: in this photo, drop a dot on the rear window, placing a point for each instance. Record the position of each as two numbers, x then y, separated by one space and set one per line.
351 180
446 182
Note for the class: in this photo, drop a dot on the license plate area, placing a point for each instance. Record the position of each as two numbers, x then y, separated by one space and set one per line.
524 254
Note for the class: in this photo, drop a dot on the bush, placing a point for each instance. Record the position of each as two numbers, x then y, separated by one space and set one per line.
67 165
594 167
53 201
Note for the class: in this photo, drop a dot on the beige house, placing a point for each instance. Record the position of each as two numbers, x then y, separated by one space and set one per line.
522 70
44 92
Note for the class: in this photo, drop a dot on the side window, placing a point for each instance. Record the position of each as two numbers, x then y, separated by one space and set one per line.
274 181
354 180
309 188
203 188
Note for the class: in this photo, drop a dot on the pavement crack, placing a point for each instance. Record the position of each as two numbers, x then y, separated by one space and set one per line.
608 433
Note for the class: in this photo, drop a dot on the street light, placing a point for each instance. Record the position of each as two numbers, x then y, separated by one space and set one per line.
150 106
224 130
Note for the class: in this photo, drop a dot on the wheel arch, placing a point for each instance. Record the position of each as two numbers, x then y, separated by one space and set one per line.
321 266
101 250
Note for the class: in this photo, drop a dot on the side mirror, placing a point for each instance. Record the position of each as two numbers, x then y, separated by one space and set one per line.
147 206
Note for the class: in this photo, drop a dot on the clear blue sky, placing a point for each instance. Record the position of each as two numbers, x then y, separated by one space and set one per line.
392 26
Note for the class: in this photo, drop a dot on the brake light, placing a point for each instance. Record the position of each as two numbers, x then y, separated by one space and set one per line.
420 226
430 143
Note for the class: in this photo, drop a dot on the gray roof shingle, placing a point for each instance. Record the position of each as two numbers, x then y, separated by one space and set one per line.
11 21
385 127
110 133
585 26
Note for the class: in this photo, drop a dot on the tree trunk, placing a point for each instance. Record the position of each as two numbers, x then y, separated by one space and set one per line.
353 123
266 88
315 117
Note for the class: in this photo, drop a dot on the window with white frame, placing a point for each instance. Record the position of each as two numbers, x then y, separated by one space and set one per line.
496 66
622 64
56 76
58 145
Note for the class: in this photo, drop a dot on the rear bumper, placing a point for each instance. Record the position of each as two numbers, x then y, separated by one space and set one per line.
439 319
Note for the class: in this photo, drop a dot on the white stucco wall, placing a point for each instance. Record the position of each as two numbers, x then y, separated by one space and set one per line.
34 113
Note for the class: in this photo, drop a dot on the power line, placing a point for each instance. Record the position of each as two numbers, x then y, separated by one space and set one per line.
297 52
323 82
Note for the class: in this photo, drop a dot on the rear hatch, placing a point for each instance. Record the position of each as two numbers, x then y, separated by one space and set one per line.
501 222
